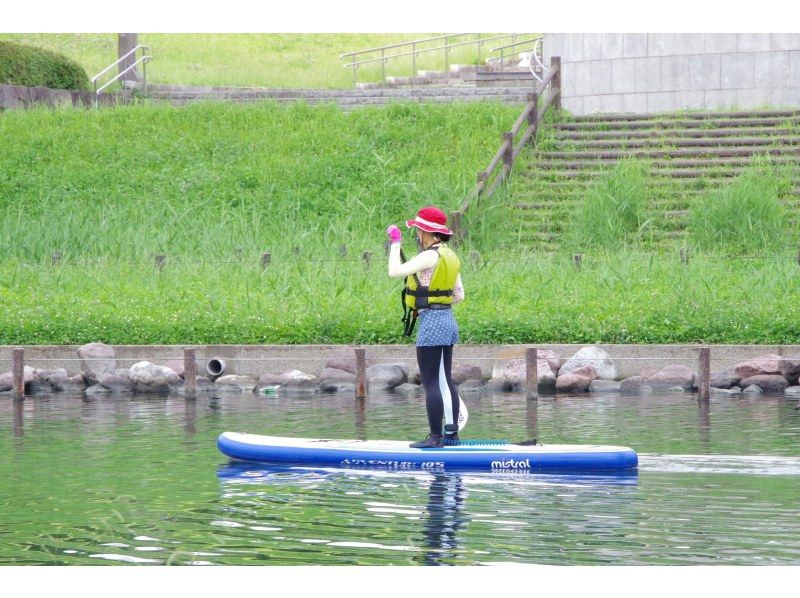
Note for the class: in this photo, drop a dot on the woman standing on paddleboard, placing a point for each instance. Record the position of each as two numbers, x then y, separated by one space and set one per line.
433 286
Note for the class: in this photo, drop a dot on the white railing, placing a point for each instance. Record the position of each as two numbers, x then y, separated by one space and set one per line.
143 60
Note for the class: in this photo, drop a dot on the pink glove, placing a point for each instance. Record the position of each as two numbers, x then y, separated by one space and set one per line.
394 234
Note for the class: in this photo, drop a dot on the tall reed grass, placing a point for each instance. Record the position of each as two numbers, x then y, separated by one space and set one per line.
613 213
746 215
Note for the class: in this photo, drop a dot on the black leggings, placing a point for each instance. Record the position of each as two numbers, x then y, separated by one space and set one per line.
441 401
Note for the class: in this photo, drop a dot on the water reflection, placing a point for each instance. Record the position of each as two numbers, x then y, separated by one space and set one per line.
444 517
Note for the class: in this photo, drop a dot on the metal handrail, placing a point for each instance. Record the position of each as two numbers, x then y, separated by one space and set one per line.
383 58
400 45
116 62
143 61
527 41
541 64
478 42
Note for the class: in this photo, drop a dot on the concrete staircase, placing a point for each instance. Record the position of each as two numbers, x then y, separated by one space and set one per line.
461 75
689 155
346 98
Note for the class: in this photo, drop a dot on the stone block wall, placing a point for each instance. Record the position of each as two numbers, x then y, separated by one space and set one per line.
18 96
665 72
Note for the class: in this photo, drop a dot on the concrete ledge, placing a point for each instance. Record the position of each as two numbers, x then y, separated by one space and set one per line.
254 360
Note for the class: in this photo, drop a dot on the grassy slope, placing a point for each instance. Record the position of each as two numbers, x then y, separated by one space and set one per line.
249 59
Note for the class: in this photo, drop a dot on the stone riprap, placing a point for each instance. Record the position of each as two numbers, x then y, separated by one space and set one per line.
767 374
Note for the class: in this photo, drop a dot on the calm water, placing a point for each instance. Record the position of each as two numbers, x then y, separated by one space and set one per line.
140 481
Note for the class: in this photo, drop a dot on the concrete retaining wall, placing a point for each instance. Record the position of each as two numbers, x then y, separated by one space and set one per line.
255 360
664 72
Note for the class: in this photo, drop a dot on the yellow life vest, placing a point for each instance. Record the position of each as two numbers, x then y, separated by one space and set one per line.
439 293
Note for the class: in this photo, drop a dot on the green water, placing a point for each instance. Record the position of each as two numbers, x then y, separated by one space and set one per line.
139 480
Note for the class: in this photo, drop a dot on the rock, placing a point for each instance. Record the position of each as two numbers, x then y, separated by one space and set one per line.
6 379
289 381
344 359
96 359
52 377
671 376
715 390
386 376
594 356
649 371
409 389
576 381
553 359
235 382
117 384
149 377
676 390
771 384
513 374
789 368
498 385
73 384
203 385
753 390
97 389
471 386
635 385
176 365
38 387
724 378
461 372
605 386
335 380
760 366
792 391
736 390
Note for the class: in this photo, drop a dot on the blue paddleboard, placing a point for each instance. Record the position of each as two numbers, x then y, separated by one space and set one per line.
394 454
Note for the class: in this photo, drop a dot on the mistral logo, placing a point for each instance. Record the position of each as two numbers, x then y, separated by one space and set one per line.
511 464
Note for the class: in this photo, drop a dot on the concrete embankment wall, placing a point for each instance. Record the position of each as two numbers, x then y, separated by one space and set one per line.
255 360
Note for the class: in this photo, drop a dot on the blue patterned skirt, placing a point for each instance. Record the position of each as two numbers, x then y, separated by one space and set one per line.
437 327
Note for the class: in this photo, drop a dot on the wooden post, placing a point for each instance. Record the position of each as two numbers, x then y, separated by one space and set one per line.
160 259
704 374
55 259
532 373
455 218
238 254
266 258
387 246
798 257
361 374
555 82
577 259
684 256
475 256
189 371
533 116
367 257
508 156
343 251
18 372
296 250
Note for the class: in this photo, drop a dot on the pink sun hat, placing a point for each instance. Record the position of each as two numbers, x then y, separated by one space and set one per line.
430 219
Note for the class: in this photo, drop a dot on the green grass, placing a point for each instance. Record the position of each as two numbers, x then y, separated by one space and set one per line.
212 185
209 179
614 298
249 59
746 215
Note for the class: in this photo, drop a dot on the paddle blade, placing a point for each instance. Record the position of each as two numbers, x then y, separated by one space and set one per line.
463 414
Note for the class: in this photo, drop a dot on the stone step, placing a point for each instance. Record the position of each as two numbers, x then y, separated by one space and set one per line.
686 116
678 143
355 102
718 152
687 123
337 93
668 134
665 164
